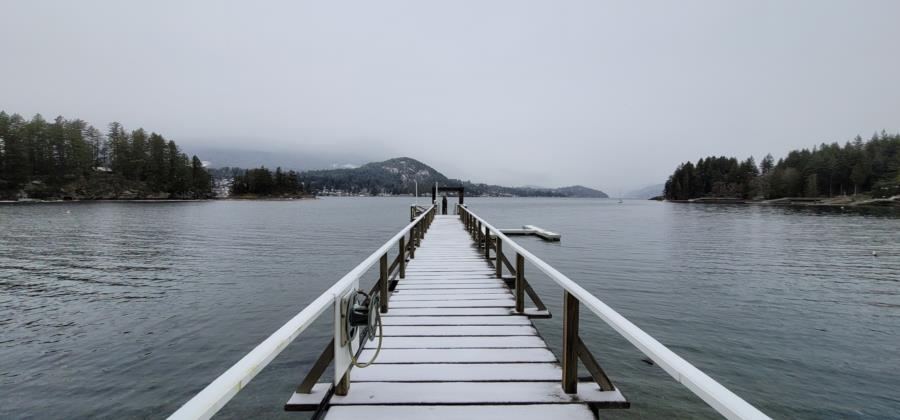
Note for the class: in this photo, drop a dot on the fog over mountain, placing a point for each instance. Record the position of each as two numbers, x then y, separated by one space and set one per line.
301 160
647 192
611 95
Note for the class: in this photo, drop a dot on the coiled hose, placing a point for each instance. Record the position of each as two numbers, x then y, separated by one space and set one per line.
373 306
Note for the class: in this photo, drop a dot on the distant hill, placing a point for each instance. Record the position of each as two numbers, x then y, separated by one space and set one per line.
647 193
400 175
393 176
581 191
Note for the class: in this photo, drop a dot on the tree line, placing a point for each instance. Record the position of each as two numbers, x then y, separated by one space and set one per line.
71 151
869 167
261 181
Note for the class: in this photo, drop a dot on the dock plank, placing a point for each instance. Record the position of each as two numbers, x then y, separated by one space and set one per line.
454 303
445 372
456 320
436 285
400 297
402 289
451 412
523 341
492 311
380 393
468 355
460 330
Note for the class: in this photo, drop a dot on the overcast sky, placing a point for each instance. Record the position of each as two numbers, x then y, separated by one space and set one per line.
606 94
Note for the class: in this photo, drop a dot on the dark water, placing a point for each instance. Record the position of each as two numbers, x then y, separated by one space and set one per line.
125 310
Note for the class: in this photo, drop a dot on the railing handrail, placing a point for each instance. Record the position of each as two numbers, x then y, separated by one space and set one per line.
212 398
727 403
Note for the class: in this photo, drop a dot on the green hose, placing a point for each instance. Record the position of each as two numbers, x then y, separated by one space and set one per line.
353 359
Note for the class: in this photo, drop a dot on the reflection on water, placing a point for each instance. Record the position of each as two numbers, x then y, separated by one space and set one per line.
128 309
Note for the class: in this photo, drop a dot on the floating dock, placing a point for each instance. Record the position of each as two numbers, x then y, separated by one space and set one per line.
533 230
455 339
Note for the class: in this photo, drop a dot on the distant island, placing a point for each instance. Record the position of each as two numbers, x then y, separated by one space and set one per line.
263 183
397 176
73 160
857 171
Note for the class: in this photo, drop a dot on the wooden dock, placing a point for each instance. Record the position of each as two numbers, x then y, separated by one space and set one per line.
455 338
454 347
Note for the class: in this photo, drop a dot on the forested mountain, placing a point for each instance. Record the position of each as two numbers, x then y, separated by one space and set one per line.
400 175
871 167
71 159
393 176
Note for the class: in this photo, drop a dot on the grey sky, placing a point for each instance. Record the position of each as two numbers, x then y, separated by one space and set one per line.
607 94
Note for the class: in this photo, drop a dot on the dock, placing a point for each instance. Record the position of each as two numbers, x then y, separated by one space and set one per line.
454 346
445 333
533 230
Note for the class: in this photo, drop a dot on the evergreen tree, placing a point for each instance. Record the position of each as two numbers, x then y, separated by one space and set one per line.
118 147
767 164
138 156
859 176
157 164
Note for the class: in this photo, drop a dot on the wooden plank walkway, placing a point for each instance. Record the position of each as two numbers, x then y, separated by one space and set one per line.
454 348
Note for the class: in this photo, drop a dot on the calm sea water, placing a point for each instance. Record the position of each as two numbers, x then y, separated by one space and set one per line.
125 310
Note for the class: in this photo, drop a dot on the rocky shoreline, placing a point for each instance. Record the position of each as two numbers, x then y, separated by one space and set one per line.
98 187
830 202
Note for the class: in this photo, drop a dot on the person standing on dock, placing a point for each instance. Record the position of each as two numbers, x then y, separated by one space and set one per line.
444 204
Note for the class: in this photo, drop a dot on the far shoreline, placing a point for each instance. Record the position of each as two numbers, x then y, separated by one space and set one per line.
807 202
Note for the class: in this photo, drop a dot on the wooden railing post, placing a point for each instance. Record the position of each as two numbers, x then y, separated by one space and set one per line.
343 387
570 344
520 283
383 283
413 242
499 257
402 257
487 243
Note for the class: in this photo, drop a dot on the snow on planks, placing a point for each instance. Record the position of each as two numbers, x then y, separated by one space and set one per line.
454 348
465 412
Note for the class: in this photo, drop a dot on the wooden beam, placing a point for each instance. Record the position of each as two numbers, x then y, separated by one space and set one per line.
570 344
534 296
520 283
499 251
383 282
402 257
317 369
343 387
593 367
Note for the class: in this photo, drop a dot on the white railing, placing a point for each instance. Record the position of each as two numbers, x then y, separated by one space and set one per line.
212 398
727 403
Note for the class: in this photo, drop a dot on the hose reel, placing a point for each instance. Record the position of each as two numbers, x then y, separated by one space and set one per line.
361 314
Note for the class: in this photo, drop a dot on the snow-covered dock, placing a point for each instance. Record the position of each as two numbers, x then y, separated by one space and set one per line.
455 339
533 230
455 347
